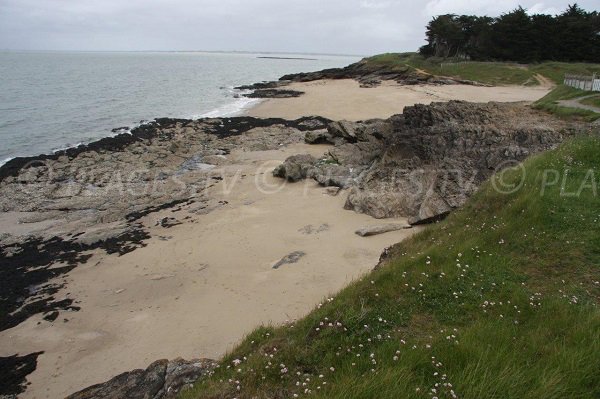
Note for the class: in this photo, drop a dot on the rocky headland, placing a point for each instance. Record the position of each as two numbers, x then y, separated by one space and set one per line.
162 379
368 74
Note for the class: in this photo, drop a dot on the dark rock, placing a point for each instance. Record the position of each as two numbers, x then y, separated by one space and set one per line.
161 380
120 129
160 128
381 229
168 222
133 216
344 129
309 124
367 82
333 191
352 132
31 263
262 85
293 257
14 370
115 144
331 174
428 161
361 153
296 167
274 93
370 74
318 137
310 229
51 316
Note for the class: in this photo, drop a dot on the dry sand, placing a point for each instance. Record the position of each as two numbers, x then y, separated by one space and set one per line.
345 99
200 288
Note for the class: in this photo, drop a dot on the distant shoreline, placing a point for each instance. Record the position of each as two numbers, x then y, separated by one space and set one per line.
288 58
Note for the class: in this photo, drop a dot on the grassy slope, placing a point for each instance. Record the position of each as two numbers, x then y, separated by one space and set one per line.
500 300
593 101
556 70
561 92
487 72
501 73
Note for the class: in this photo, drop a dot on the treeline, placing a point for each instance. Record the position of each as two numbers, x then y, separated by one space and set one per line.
573 35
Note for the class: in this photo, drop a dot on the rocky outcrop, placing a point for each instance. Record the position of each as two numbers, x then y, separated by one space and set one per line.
370 74
290 258
296 167
366 72
274 93
163 379
428 161
262 85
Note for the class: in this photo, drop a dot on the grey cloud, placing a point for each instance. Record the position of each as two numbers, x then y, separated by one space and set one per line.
329 26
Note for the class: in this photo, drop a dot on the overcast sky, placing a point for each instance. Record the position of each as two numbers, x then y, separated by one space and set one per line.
358 27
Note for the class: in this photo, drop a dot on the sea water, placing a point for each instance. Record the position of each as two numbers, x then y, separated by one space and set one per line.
54 100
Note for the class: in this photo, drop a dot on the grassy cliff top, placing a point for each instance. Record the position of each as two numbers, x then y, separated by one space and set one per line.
496 73
500 300
553 103
504 73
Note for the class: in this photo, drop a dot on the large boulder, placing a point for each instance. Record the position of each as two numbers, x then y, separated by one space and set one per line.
368 231
319 137
352 132
161 380
296 167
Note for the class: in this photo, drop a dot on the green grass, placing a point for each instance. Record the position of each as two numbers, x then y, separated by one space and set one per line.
485 72
556 70
550 103
593 101
494 73
500 300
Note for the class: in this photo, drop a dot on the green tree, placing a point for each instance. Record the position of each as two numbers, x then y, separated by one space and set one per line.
573 35
511 35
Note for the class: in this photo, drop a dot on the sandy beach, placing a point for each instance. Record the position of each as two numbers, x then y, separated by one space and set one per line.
198 287
345 99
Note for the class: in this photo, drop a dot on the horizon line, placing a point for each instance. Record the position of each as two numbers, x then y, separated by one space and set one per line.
181 51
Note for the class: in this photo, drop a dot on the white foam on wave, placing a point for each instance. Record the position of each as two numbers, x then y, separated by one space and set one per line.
5 160
93 140
235 107
67 146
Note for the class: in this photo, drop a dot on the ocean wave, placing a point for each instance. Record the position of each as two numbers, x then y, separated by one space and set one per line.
5 160
115 132
233 108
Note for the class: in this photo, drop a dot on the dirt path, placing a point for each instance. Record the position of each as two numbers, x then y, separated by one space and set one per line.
576 103
544 81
